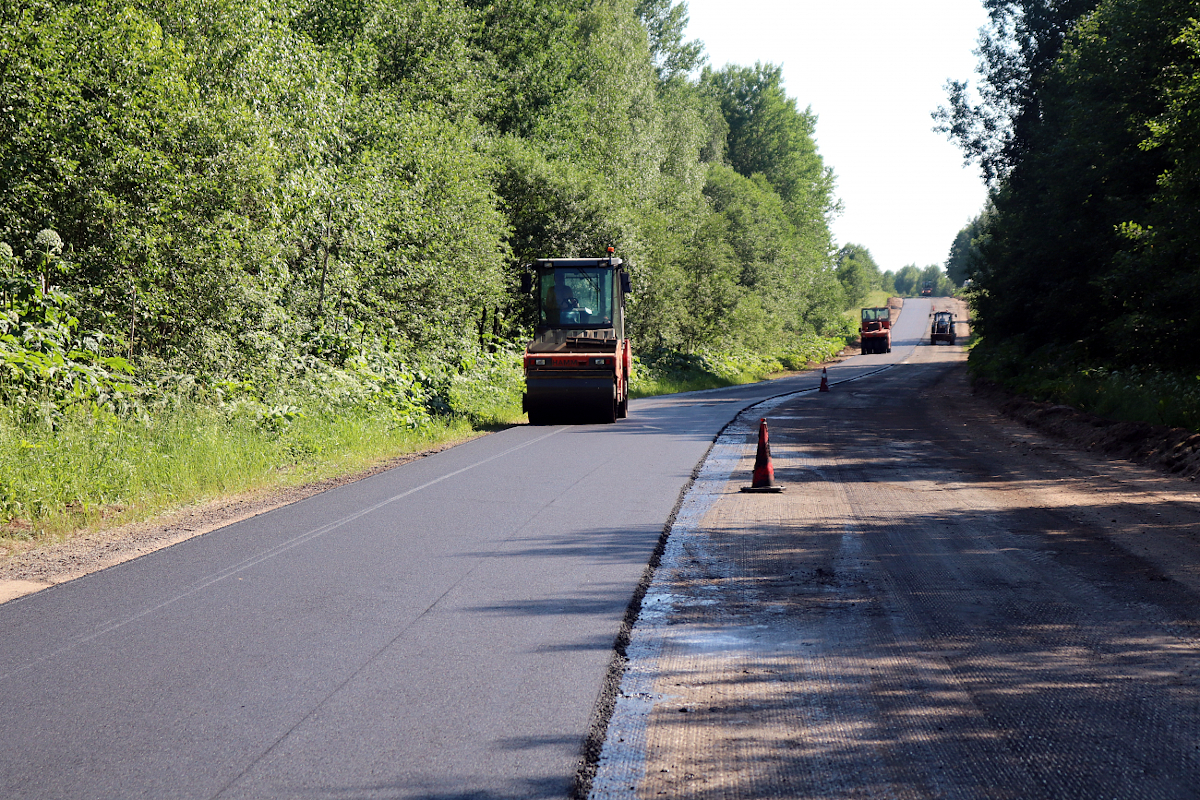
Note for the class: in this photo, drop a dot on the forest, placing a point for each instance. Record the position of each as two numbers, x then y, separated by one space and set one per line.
238 220
227 189
1084 265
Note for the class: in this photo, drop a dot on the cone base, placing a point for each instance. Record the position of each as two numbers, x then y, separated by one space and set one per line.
763 489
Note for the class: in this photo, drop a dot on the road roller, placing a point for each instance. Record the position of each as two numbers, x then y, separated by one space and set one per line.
577 366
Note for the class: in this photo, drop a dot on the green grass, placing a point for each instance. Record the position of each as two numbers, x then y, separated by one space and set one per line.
1059 376
652 387
86 472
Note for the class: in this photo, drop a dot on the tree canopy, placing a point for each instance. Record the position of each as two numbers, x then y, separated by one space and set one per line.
237 186
859 274
1090 243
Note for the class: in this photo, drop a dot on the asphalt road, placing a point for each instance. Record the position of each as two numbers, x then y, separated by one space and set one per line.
441 630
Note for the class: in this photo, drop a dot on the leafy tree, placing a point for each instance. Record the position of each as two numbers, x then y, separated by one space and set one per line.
105 149
710 290
1065 256
665 22
794 291
1017 49
556 208
858 273
757 224
529 53
887 282
770 144
768 135
1152 276
249 188
911 280
908 280
966 257
937 280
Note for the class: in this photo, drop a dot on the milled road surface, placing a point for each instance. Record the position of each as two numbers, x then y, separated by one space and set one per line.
941 605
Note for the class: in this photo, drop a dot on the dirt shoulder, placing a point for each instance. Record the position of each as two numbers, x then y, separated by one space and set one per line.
938 586
1174 451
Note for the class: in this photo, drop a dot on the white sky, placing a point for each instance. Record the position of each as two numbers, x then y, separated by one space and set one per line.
872 71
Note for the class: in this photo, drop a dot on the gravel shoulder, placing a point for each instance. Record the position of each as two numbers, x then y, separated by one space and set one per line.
943 603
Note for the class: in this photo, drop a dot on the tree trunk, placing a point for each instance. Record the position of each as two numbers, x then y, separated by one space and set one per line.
324 271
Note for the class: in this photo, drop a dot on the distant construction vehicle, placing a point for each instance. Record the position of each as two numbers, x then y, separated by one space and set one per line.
927 291
577 366
942 329
876 330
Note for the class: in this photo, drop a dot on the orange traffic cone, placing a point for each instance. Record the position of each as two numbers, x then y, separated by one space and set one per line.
824 381
763 479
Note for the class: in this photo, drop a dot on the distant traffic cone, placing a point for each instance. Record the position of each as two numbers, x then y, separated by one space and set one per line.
824 381
763 479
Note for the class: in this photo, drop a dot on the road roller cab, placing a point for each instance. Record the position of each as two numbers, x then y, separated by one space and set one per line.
577 366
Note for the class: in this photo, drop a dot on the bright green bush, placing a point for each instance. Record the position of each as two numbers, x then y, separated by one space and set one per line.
662 371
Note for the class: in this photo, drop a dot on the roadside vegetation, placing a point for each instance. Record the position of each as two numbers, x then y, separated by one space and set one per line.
245 243
670 371
1083 265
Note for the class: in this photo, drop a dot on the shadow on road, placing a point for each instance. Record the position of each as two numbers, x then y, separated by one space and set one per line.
930 610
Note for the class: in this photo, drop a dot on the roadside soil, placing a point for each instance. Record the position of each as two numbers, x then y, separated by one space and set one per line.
945 602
